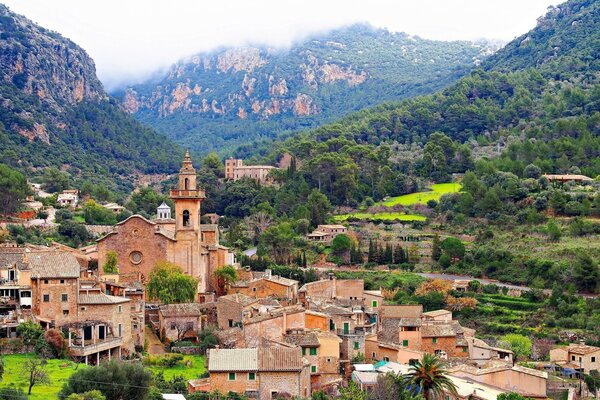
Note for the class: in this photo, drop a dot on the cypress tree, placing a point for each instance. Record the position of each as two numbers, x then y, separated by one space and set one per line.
436 249
388 256
399 256
371 251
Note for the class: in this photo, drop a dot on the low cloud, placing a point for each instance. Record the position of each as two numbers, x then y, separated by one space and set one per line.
130 40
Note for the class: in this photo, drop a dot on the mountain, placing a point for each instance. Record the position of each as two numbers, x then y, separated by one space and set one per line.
538 100
55 112
228 97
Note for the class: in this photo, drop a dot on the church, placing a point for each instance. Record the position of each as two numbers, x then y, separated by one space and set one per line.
182 240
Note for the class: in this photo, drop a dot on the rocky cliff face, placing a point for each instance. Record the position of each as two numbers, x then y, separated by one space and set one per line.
44 65
210 100
55 112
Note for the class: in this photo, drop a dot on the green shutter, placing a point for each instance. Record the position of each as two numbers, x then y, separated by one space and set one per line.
313 368
374 303
304 351
232 376
356 345
434 340
405 343
313 351
251 376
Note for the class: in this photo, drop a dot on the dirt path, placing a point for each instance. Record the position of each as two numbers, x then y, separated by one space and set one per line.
154 344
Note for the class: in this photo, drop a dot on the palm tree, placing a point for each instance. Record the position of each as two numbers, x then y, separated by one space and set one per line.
430 375
225 276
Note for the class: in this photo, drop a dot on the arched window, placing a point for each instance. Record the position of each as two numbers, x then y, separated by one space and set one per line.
186 184
186 218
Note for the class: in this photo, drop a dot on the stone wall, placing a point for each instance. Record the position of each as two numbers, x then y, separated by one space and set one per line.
55 309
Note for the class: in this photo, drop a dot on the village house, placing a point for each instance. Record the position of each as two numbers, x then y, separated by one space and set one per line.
68 198
527 382
378 350
322 351
577 356
262 373
274 324
235 170
444 339
482 353
134 291
183 321
15 289
283 289
114 207
401 324
183 241
568 178
232 308
350 289
326 233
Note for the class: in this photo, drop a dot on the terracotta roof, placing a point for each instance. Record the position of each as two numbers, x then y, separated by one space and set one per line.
239 298
335 310
436 313
402 311
159 230
100 298
280 359
232 360
53 264
12 257
582 349
184 309
440 330
481 344
472 370
276 313
305 339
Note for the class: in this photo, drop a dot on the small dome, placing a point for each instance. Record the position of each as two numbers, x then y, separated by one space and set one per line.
163 211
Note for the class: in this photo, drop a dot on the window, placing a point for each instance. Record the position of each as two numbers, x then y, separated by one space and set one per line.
386 359
572 358
120 308
374 303
186 184
83 308
313 351
135 327
65 312
304 351
120 330
251 376
64 297
434 340
135 257
356 345
593 359
231 376
173 326
328 360
405 343
46 298
313 369
254 289
186 218
46 281
465 349
373 354
231 323
62 281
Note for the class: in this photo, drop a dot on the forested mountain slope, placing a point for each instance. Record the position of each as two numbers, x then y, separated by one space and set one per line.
55 112
221 99
549 114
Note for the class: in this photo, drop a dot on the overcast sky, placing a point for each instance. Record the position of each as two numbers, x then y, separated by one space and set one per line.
129 39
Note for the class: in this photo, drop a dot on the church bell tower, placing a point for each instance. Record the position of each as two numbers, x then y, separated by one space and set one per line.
187 198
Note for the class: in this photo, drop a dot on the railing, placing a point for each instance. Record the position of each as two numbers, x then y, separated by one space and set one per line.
83 348
187 193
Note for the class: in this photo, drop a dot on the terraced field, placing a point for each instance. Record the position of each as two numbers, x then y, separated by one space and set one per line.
437 191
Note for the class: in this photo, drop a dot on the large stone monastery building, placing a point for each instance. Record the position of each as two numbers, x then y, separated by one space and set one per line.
182 240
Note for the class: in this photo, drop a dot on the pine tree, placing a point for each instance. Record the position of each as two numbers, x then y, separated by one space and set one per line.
371 256
304 263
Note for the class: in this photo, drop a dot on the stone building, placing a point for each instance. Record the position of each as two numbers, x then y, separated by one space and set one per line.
577 355
183 321
262 373
326 233
140 243
283 289
235 170
232 308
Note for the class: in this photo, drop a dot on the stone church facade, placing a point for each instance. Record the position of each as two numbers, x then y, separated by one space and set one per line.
181 240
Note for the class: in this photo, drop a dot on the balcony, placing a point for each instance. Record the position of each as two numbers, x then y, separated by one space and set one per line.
81 348
187 193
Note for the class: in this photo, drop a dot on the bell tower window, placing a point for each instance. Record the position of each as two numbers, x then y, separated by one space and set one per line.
186 184
186 218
